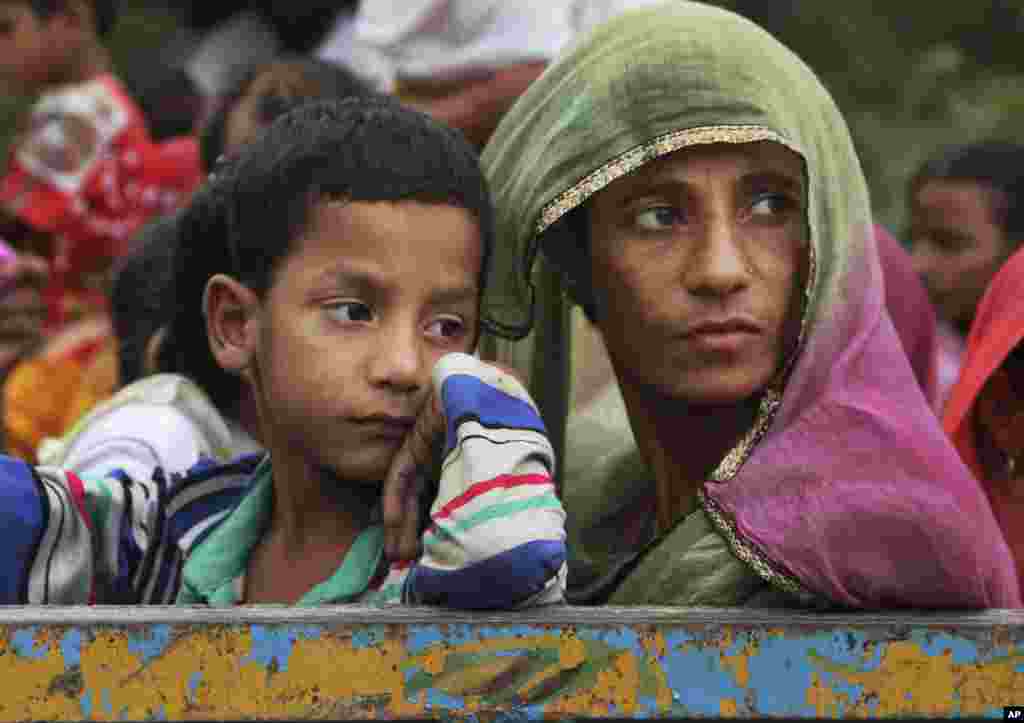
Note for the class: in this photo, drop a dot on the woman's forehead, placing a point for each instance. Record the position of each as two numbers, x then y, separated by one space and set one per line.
722 161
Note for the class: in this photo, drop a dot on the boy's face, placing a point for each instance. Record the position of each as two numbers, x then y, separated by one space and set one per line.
371 296
29 54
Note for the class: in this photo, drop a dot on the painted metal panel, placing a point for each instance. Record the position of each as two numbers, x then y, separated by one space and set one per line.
355 662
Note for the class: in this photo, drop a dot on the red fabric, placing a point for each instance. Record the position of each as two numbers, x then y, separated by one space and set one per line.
86 171
998 327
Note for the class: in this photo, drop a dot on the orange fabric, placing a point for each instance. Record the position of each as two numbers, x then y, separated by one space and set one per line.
997 329
45 394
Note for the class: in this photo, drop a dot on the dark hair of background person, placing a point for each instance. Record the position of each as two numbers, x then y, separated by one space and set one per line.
320 80
245 219
141 295
998 165
104 11
168 97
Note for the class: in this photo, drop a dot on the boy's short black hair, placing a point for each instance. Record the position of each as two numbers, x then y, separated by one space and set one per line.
245 219
141 297
996 164
320 80
105 12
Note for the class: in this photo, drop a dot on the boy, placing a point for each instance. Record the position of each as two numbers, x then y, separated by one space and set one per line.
84 173
345 255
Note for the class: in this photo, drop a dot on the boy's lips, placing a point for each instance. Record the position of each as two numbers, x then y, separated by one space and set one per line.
388 426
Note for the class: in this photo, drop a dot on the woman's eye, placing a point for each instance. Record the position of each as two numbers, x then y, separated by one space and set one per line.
658 217
447 327
770 204
350 311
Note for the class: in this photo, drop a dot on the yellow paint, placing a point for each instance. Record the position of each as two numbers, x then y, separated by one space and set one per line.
654 644
738 664
433 660
656 649
727 708
572 652
909 681
825 701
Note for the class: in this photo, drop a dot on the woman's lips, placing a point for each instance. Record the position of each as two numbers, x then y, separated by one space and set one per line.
725 335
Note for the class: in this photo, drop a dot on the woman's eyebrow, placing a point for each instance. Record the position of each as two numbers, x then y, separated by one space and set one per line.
775 179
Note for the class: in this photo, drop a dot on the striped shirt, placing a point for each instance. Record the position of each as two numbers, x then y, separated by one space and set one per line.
495 539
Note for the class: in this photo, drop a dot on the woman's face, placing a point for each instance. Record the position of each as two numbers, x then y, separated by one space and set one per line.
697 261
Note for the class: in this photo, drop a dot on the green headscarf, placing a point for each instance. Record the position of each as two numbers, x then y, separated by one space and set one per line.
643 85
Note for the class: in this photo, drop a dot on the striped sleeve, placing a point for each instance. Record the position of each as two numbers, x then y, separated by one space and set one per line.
497 533
47 551
109 540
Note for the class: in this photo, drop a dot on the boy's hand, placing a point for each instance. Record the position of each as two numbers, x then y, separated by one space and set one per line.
400 496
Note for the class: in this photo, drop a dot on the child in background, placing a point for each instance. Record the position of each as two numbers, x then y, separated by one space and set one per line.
264 93
156 420
84 174
345 291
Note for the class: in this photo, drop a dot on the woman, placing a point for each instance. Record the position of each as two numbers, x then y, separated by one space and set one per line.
986 407
698 190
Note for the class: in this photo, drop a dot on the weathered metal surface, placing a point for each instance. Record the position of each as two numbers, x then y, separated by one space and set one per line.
347 663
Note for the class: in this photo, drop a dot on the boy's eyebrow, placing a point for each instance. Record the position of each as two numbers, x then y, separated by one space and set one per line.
365 282
455 294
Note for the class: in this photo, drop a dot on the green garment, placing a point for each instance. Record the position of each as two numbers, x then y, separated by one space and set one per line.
644 85
214 573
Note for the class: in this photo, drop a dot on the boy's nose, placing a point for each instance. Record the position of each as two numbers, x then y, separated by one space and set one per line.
398 360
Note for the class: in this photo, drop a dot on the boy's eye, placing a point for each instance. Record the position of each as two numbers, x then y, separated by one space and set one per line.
448 327
350 311
656 218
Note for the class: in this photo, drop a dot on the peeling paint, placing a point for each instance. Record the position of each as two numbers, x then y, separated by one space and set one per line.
488 671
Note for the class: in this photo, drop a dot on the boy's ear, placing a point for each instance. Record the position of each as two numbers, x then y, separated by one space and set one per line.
232 312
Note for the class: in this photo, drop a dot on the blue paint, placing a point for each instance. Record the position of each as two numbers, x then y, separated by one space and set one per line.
442 700
151 643
276 643
780 675
422 637
622 639
368 637
193 684
24 642
696 677
71 647
85 704
934 644
105 701
647 707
